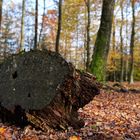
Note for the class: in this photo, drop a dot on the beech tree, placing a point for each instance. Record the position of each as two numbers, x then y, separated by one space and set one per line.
36 25
114 48
131 80
121 43
1 1
59 26
101 49
126 55
22 26
88 35
43 20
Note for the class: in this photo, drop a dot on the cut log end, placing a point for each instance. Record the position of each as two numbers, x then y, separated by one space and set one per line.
31 79
46 88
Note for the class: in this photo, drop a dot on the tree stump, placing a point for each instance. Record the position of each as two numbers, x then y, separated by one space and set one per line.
43 88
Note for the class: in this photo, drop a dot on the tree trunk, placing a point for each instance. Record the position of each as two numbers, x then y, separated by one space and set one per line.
36 25
41 87
114 47
131 80
121 44
126 62
77 43
101 49
88 35
42 24
22 26
1 2
59 26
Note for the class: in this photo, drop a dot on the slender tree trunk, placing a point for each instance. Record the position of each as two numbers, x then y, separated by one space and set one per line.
101 49
121 44
59 26
88 35
5 45
131 79
36 25
77 44
42 25
66 45
22 26
126 62
85 51
85 38
126 68
114 47
1 2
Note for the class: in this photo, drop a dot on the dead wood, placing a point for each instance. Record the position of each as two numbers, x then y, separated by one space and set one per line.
44 89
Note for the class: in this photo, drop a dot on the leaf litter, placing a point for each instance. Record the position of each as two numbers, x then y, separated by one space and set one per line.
111 115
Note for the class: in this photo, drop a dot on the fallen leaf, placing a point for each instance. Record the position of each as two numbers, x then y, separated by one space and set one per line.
75 138
2 130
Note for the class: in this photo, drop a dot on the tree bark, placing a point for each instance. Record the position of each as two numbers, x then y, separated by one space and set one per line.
114 47
77 43
126 55
131 79
42 24
36 25
101 49
59 26
42 88
88 36
1 2
121 45
22 26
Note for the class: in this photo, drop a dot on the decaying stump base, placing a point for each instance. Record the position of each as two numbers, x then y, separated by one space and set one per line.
40 87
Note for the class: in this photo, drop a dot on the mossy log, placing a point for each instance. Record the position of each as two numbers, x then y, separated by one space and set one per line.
43 88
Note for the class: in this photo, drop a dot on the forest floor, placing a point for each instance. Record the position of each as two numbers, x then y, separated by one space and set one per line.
112 115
